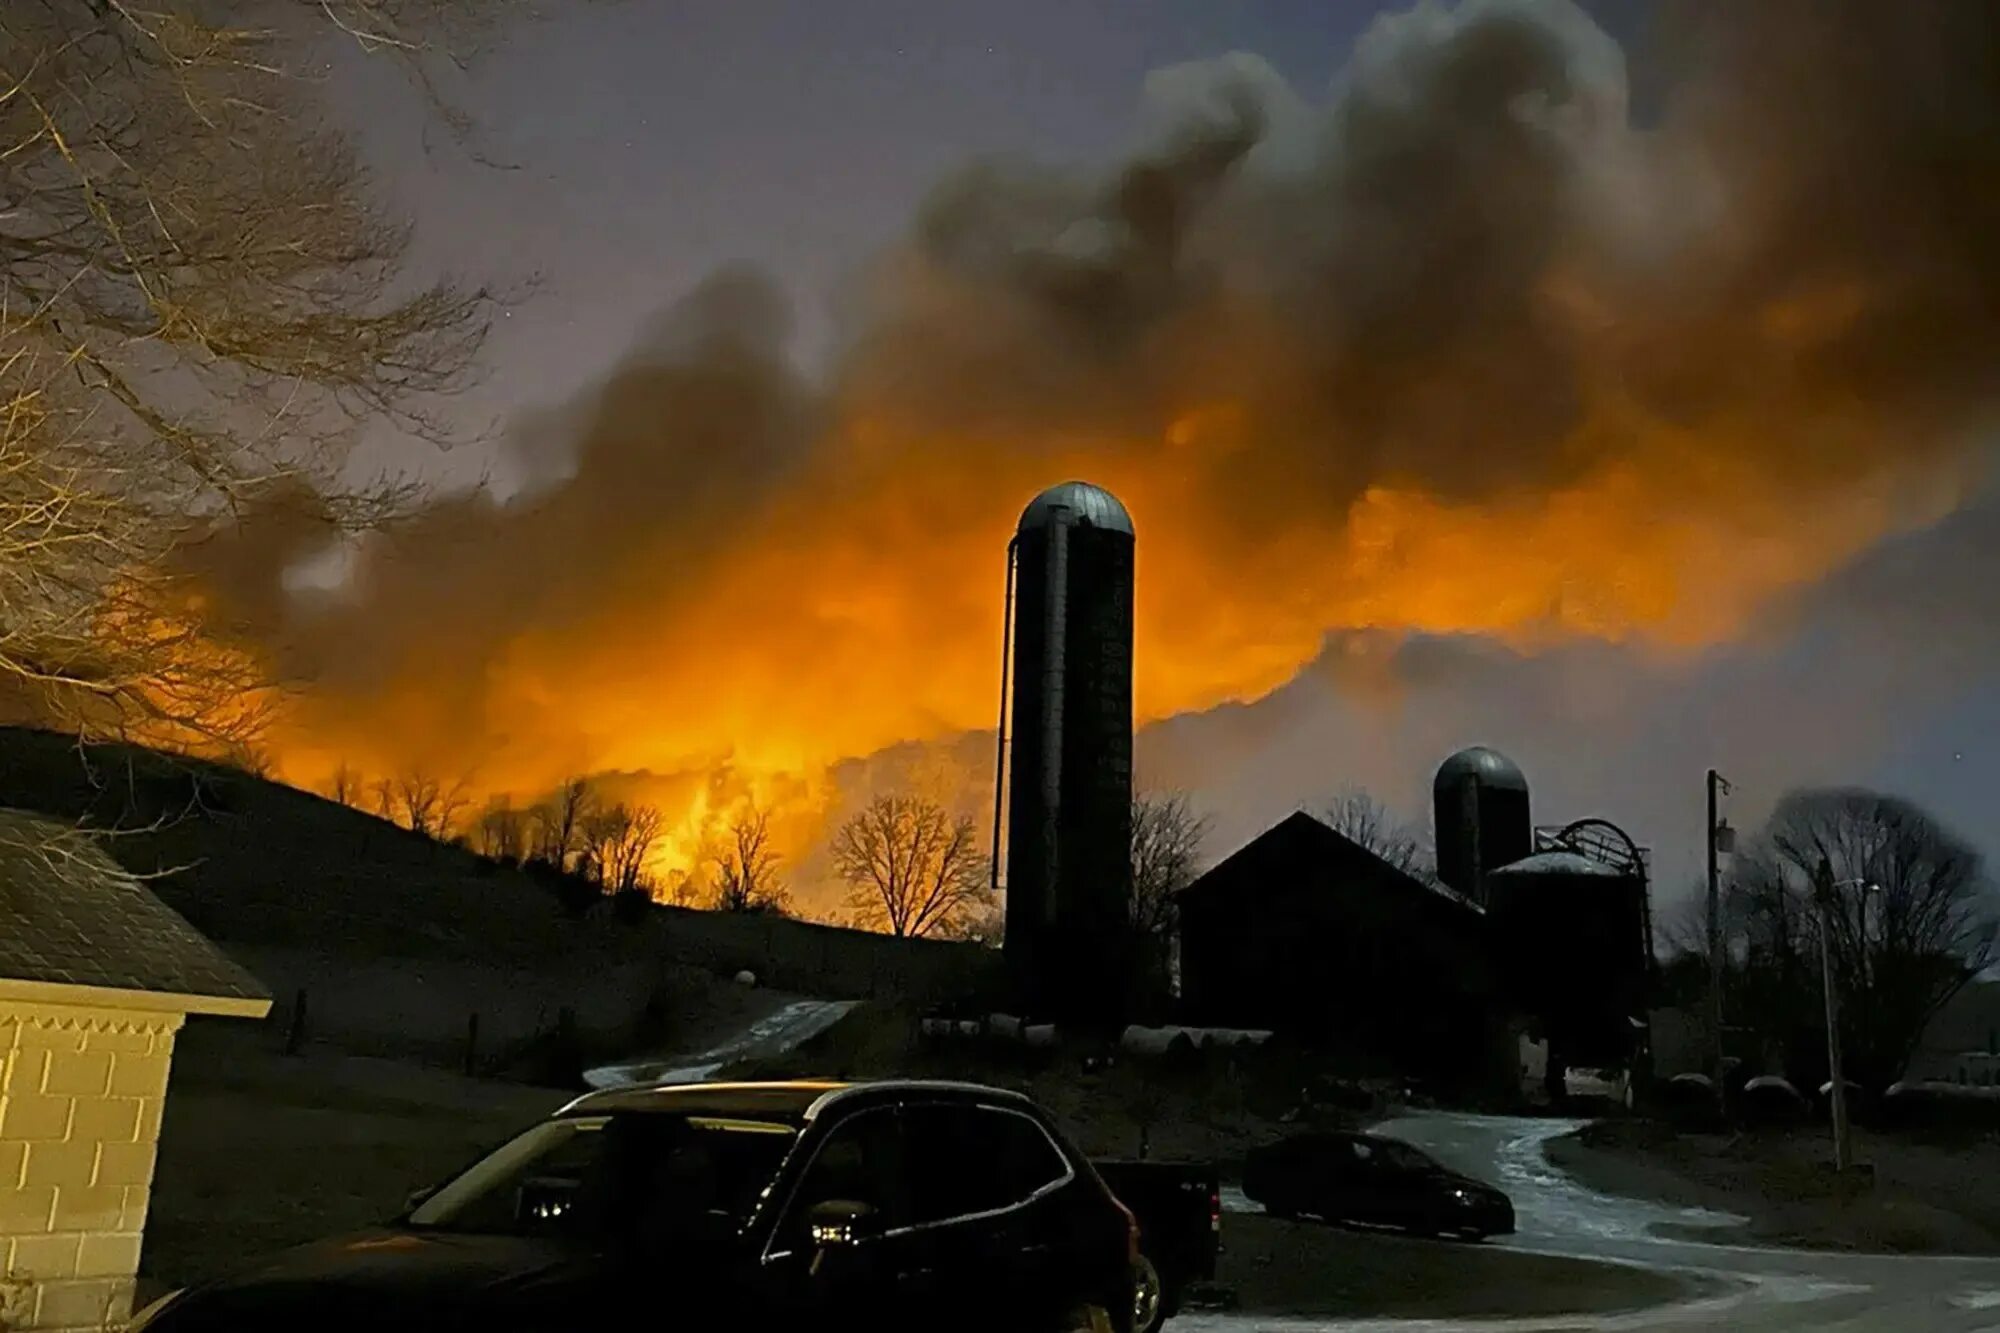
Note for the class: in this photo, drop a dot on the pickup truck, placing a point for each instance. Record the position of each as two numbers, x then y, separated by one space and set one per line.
1179 1211
904 1204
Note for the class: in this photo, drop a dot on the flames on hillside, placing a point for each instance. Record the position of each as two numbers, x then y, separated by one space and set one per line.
1469 347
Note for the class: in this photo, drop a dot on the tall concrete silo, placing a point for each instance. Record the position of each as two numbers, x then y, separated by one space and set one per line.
1069 792
1480 800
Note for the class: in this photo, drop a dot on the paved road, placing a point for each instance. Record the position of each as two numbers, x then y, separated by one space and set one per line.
773 1034
1767 1291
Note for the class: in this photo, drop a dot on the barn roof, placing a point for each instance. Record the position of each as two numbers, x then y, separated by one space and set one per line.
1304 836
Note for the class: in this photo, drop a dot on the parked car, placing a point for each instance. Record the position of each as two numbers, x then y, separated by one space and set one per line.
905 1205
1179 1208
1370 1179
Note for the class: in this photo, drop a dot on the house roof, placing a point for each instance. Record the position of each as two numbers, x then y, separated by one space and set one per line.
70 916
1301 833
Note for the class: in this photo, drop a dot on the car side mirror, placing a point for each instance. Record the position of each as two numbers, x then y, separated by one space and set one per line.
417 1198
841 1224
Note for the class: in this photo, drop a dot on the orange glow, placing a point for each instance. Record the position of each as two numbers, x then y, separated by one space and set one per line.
863 610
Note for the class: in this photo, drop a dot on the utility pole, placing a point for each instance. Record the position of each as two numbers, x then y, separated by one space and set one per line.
1717 830
1823 891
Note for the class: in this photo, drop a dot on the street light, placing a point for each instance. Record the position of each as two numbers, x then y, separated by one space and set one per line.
1826 887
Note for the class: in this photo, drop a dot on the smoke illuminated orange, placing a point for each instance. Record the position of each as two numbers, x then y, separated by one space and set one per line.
840 628
1485 358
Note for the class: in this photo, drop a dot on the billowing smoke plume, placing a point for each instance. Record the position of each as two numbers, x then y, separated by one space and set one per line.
1462 350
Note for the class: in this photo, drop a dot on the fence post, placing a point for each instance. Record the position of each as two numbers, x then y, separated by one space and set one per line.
471 1045
295 1030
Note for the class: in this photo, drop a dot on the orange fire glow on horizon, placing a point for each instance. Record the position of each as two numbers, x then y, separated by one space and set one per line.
1468 349
860 615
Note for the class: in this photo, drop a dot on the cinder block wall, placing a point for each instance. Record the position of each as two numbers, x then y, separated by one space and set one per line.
79 1125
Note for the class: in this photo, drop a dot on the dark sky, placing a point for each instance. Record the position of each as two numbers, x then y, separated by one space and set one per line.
645 144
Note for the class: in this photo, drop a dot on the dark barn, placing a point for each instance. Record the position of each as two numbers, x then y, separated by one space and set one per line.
1304 932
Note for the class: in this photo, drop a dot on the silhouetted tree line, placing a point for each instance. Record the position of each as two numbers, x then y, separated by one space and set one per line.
577 843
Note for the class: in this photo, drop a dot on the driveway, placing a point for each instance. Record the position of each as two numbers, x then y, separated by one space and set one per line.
1768 1290
773 1034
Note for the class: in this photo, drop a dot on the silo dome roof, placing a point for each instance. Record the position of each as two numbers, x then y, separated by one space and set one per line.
1090 504
1488 767
1559 863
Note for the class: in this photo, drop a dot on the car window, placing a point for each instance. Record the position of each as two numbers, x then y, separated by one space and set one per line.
862 1159
601 1177
976 1159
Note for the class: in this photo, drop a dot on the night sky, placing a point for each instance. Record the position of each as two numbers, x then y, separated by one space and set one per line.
640 147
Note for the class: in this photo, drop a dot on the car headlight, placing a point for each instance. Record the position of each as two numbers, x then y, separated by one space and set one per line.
151 1312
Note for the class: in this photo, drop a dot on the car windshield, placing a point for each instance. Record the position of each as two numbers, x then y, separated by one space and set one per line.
627 1177
1405 1158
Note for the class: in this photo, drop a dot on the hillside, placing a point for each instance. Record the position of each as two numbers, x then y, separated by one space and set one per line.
254 862
403 945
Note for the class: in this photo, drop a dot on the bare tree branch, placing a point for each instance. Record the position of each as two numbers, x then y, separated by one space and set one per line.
502 832
616 844
200 300
910 867
746 869
1366 822
1167 837
557 825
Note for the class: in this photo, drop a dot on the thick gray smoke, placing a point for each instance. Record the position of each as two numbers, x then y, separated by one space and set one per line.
1459 351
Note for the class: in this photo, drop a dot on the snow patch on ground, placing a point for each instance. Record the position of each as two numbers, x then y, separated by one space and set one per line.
773 1034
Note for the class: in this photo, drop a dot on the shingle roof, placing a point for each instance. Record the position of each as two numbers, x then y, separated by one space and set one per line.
70 915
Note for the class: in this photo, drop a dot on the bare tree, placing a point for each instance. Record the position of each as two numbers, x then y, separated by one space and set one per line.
615 845
502 832
345 785
745 867
1366 822
1909 913
635 849
558 824
910 867
427 804
681 888
1167 837
201 300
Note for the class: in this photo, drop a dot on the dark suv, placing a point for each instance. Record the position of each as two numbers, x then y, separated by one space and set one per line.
750 1206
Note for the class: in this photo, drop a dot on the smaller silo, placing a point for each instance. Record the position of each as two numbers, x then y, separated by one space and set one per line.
1480 802
1569 935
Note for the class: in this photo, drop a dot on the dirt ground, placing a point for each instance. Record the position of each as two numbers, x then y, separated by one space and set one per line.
1308 1268
1927 1198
